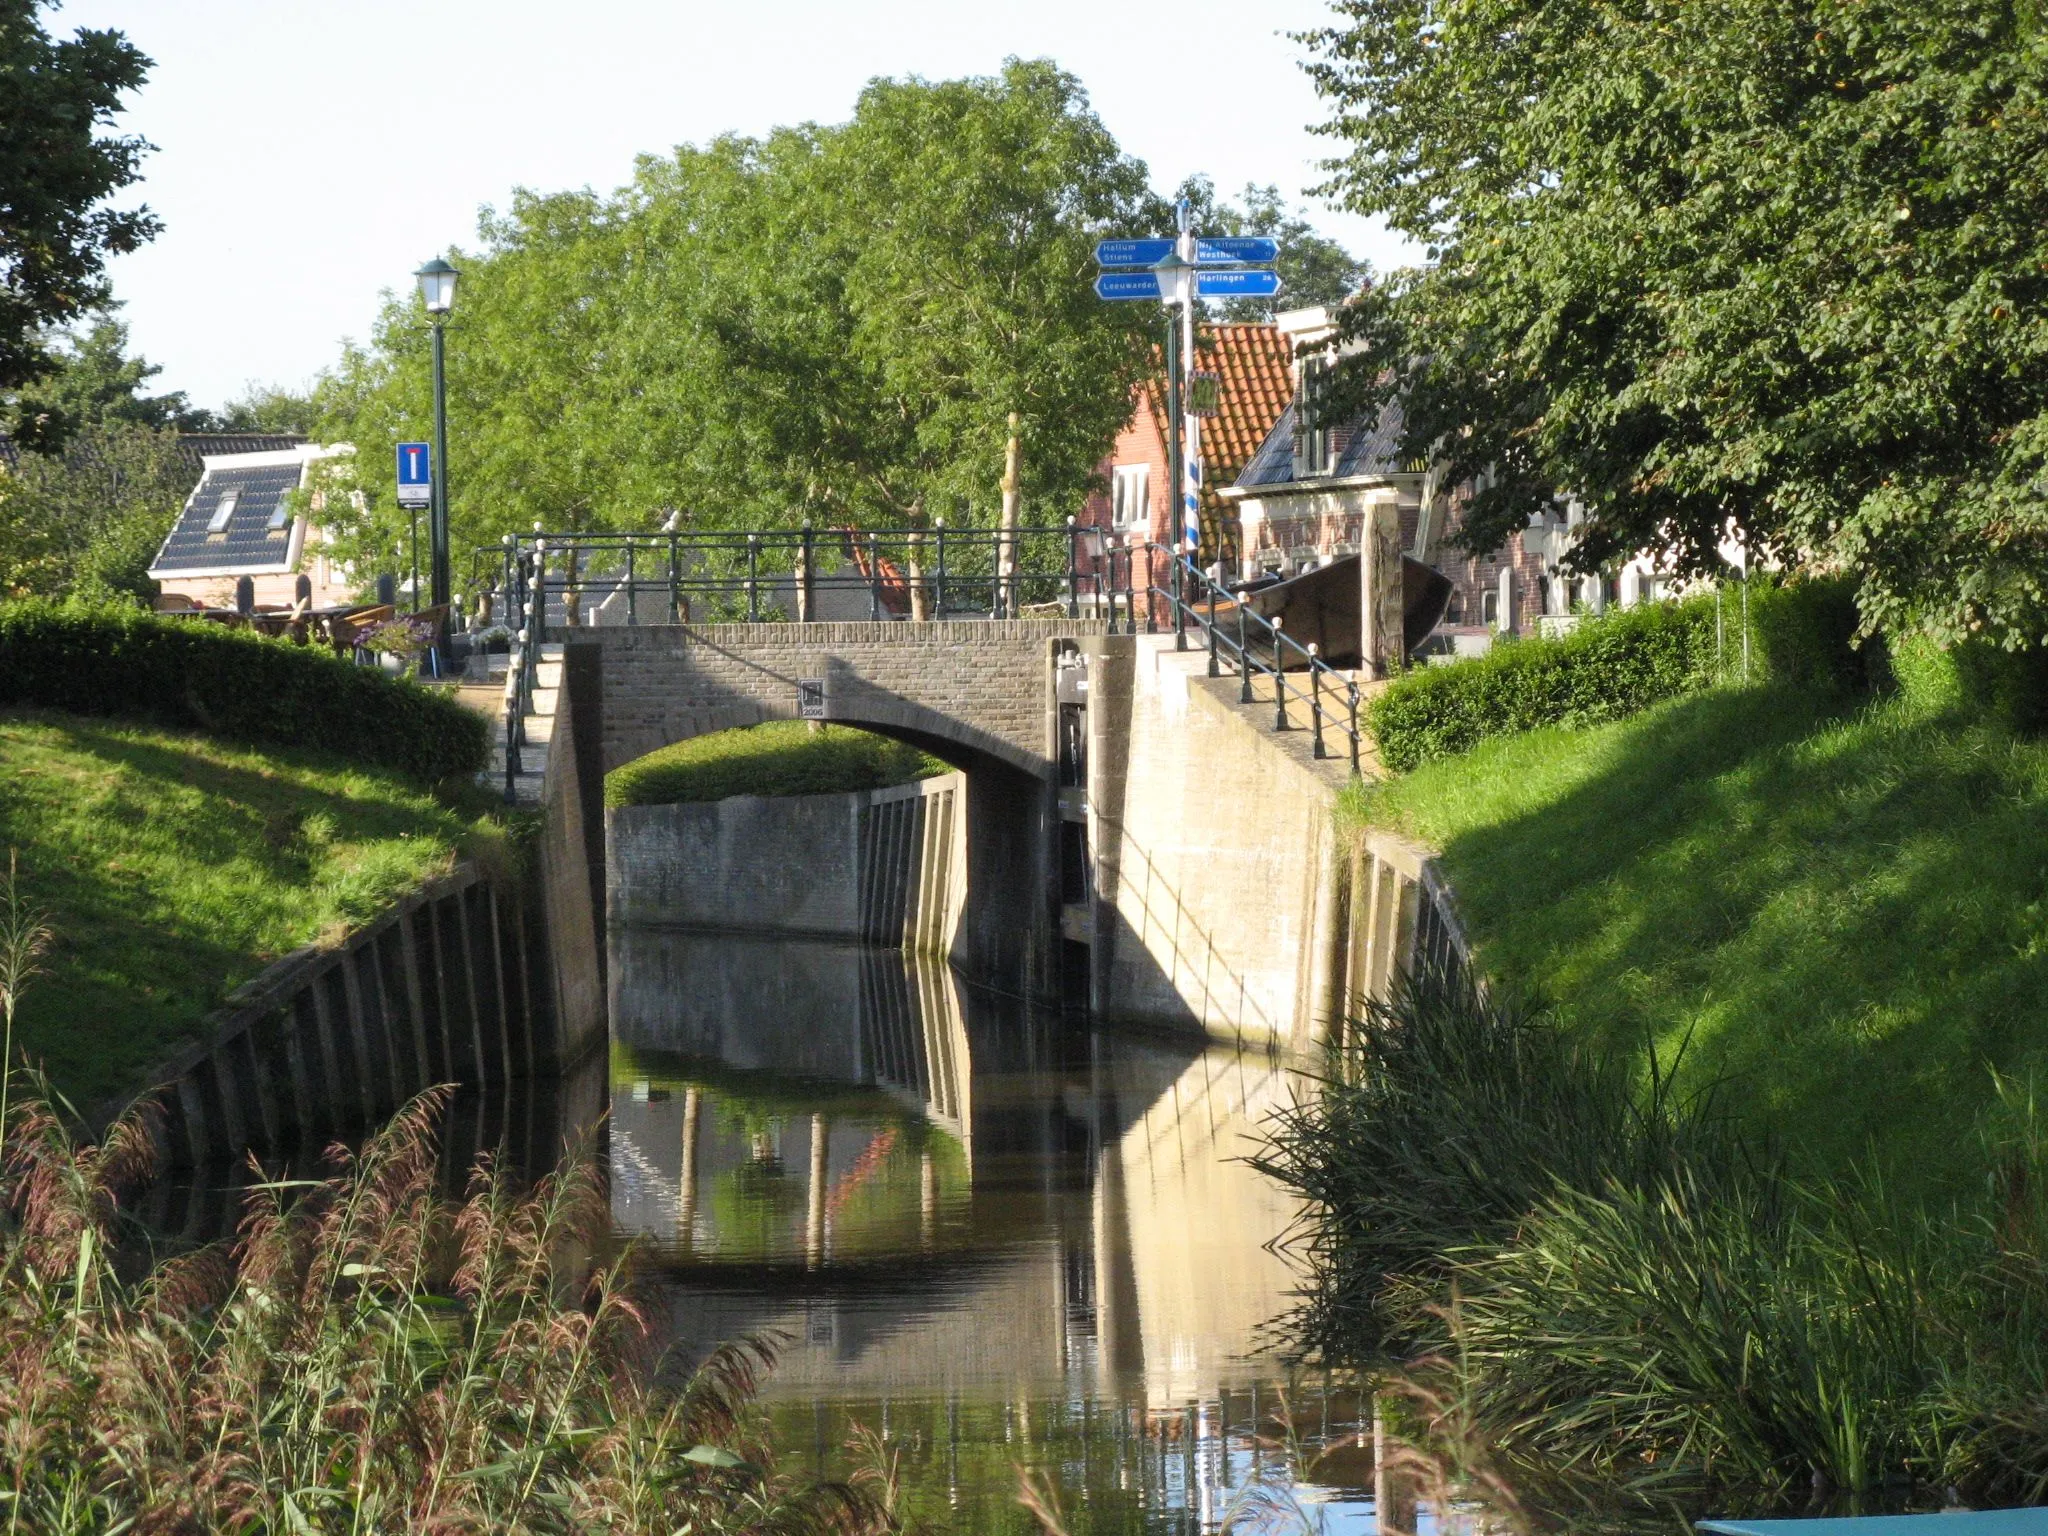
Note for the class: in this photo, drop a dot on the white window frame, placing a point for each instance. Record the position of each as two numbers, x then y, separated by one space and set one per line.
1130 490
223 510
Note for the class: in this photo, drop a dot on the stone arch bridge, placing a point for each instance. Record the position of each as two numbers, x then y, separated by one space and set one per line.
975 692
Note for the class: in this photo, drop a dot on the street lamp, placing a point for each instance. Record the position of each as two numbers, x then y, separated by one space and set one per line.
1176 276
437 292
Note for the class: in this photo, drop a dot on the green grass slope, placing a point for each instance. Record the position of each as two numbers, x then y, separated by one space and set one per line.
173 868
1839 912
782 757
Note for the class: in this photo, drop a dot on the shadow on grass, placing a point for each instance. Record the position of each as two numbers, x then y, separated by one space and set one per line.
1843 913
173 869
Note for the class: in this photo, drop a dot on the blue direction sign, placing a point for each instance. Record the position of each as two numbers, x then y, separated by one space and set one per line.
1127 285
415 475
1131 253
1230 250
1254 283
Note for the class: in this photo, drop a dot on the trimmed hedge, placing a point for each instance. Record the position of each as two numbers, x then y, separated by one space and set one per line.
780 757
1613 666
130 664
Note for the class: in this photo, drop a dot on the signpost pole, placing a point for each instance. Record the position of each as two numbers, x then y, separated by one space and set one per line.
1191 452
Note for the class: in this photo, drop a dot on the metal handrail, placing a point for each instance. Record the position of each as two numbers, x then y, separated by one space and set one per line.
1243 658
737 574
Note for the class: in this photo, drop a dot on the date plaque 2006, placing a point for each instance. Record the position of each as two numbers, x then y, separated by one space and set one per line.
810 698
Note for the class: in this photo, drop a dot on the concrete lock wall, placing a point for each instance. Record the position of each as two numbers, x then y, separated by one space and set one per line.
448 986
882 866
1224 897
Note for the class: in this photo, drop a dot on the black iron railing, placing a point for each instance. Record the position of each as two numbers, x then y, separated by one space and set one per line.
556 581
806 574
1253 645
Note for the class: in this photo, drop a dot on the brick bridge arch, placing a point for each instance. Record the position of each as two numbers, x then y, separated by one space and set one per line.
975 692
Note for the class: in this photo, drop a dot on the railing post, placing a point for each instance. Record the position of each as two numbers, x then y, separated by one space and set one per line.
1151 609
1073 568
675 588
874 580
1244 657
1279 677
753 578
632 606
540 591
1353 687
1180 612
806 589
1214 670
939 534
1315 684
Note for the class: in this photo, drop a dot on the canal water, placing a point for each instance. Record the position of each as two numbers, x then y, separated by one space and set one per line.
1003 1239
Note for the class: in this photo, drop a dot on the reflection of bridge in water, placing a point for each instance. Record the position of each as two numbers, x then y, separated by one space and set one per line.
933 1189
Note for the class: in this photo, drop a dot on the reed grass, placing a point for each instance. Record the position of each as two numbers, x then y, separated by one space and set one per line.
367 1355
1611 1299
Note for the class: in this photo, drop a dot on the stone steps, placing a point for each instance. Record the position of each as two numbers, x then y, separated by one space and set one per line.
538 729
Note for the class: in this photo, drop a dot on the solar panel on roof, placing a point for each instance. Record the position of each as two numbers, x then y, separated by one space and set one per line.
231 522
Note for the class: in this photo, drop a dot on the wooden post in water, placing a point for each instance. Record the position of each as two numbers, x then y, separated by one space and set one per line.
1393 1485
814 1214
686 1201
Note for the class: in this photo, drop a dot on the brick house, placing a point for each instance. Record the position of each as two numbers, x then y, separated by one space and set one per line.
1305 496
1254 369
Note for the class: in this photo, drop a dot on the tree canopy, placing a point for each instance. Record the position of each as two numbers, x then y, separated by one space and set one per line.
56 170
1777 265
827 322
91 515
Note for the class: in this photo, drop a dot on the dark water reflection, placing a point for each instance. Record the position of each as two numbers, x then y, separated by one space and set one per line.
1001 1237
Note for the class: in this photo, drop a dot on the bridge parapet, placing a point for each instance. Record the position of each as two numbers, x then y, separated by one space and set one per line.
975 690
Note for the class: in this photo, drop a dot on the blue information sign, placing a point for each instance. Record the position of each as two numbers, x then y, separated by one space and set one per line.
1226 250
1254 283
1131 253
1127 285
415 474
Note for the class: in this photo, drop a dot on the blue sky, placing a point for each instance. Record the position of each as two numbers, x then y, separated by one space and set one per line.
313 152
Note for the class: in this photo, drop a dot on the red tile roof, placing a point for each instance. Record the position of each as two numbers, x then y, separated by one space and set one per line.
1255 366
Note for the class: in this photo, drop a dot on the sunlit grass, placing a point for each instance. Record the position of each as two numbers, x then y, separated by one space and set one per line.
781 757
1840 909
174 868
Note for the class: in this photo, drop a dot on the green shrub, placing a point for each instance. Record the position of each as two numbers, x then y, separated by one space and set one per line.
1605 1297
1616 665
783 757
123 662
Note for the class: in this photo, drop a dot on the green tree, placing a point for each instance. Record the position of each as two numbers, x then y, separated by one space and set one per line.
1313 268
832 322
91 514
1777 265
56 170
91 518
93 380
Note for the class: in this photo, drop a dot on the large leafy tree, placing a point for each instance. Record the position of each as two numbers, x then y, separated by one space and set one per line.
1775 265
56 170
826 322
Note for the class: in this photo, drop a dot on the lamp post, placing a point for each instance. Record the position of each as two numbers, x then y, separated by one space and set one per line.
437 291
1177 293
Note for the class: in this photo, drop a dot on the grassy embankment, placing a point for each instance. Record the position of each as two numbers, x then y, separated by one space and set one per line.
1757 1203
782 757
173 868
1837 909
